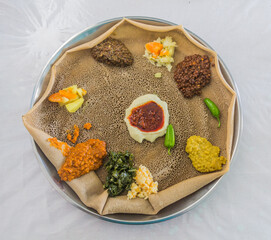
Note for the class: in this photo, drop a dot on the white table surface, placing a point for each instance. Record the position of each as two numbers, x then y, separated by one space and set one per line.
30 32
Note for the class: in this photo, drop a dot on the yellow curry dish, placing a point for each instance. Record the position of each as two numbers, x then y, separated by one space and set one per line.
204 156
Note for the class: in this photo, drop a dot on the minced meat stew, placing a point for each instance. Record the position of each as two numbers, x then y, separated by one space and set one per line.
192 74
112 52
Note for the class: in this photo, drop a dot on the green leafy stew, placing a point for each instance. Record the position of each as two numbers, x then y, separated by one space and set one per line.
120 172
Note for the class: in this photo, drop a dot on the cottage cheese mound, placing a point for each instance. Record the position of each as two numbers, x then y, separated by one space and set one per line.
144 186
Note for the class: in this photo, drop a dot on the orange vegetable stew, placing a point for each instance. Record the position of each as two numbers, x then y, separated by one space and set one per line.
83 158
87 126
75 134
62 146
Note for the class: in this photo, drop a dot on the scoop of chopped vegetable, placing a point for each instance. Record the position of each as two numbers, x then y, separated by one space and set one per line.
160 52
120 172
71 97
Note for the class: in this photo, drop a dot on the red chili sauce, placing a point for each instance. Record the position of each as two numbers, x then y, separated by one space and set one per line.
148 117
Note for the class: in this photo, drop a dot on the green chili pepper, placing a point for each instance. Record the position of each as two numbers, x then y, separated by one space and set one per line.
213 109
170 138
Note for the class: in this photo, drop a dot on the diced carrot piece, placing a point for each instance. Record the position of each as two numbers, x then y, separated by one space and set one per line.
84 91
87 126
164 52
67 94
56 97
154 48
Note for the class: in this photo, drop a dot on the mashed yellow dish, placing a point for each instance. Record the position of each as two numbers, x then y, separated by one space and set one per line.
204 156
144 185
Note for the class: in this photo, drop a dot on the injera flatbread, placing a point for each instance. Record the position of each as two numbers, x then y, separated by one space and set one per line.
110 90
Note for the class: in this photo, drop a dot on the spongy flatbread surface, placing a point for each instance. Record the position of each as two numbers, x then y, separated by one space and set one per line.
111 90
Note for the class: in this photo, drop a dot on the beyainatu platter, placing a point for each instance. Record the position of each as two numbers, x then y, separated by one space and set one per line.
119 84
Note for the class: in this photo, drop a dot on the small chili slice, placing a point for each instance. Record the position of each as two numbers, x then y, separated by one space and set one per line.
213 109
170 138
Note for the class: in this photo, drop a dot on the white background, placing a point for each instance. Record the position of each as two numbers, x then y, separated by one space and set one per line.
30 32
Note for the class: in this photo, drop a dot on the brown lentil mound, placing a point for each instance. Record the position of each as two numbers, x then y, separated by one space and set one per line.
112 52
192 74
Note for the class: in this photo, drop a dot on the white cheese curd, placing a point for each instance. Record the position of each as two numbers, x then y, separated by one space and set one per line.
135 132
144 185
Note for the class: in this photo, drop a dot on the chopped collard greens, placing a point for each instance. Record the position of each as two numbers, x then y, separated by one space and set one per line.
120 172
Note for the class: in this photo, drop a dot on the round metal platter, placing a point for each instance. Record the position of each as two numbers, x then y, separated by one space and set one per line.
65 191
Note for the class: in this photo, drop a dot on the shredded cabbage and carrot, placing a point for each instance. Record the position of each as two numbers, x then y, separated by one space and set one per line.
160 52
